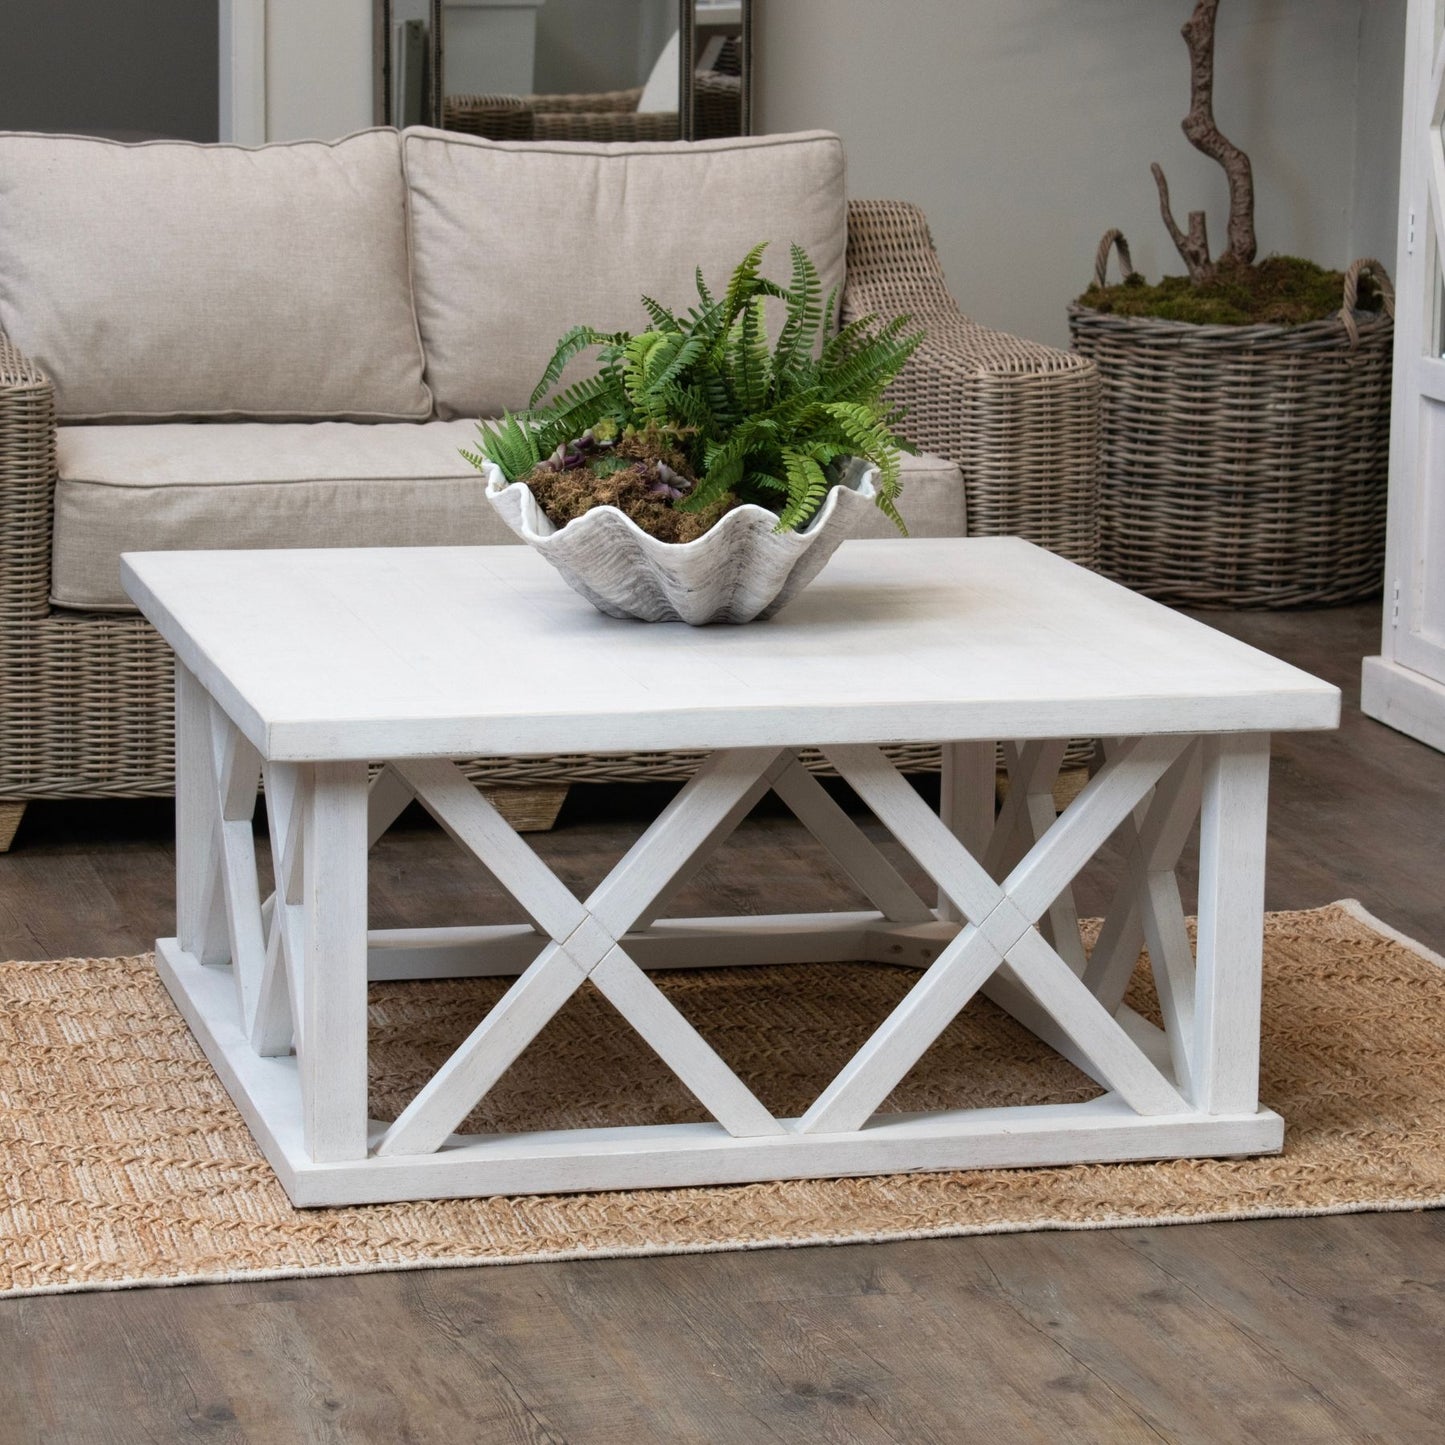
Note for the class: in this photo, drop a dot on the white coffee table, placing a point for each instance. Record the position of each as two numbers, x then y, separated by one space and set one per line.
302 666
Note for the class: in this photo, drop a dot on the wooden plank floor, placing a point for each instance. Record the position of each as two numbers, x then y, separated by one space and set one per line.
1278 1330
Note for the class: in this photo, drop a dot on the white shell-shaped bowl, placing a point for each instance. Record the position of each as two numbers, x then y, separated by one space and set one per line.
737 571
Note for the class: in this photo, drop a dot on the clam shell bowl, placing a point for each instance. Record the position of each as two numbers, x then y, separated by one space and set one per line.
740 570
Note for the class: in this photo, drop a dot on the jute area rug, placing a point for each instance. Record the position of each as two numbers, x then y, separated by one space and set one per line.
123 1162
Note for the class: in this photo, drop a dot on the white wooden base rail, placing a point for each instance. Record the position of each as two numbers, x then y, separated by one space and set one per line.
275 988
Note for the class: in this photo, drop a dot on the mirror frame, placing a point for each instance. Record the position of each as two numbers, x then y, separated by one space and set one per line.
382 92
687 68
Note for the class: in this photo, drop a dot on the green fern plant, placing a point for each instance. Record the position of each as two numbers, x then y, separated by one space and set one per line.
772 426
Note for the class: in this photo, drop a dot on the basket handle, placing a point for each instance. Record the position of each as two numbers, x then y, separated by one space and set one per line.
1352 293
1114 240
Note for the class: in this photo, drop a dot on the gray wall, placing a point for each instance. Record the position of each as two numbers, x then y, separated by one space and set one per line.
1025 128
1378 97
124 68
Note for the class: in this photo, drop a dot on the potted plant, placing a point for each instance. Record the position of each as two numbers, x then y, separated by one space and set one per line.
699 474
1245 405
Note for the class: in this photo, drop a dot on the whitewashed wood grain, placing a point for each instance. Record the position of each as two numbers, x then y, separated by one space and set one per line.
489 1050
342 656
853 851
666 1156
200 898
237 779
459 652
444 791
1087 823
1028 813
1232 823
1099 1037
333 992
681 1047
966 801
897 805
893 1048
279 1017
701 815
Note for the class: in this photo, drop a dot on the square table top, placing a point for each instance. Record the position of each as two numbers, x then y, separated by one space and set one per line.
373 653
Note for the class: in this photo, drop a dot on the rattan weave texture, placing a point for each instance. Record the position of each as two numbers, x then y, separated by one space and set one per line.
1019 419
600 116
610 115
1244 466
85 699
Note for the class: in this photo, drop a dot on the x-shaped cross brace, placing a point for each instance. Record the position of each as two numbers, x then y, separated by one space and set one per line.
1001 928
585 942
587 939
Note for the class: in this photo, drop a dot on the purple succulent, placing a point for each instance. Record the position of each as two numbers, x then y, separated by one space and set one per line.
574 454
669 484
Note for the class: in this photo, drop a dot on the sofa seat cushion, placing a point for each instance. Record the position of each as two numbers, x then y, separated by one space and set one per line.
254 484
176 281
322 484
514 242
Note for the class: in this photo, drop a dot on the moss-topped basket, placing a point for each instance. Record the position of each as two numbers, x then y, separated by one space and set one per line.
741 569
1243 466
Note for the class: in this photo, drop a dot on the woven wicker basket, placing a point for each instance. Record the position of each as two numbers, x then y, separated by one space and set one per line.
1244 466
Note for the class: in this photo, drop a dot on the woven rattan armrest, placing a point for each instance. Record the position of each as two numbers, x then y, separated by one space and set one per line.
604 125
602 115
588 102
27 485
1020 419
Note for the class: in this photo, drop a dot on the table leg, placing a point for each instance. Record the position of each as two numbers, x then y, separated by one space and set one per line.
966 802
333 976
1231 923
200 902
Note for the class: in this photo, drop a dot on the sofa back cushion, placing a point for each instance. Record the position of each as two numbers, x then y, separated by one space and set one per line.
170 280
514 242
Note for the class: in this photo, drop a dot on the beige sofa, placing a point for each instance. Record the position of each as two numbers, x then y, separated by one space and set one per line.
210 346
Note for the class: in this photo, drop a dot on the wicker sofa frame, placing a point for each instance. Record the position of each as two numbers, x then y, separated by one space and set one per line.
85 698
610 115
603 116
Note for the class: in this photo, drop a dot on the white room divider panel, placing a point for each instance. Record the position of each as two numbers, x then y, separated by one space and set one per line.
1405 685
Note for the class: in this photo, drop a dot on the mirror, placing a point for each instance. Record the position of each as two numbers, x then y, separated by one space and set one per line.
601 70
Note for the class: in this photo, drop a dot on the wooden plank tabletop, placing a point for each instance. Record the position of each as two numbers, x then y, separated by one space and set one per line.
453 651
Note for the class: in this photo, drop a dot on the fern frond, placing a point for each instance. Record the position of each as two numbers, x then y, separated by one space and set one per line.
807 487
749 368
868 437
888 505
863 373
510 444
688 408
830 311
771 425
742 284
637 362
662 318
805 315
578 339
675 361
846 341
766 482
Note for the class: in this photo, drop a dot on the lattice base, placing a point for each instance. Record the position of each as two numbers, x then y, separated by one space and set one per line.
276 990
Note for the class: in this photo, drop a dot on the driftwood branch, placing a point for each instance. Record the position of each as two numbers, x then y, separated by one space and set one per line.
1204 135
1193 247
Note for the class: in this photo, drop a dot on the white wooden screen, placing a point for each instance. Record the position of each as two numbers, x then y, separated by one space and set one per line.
1405 685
